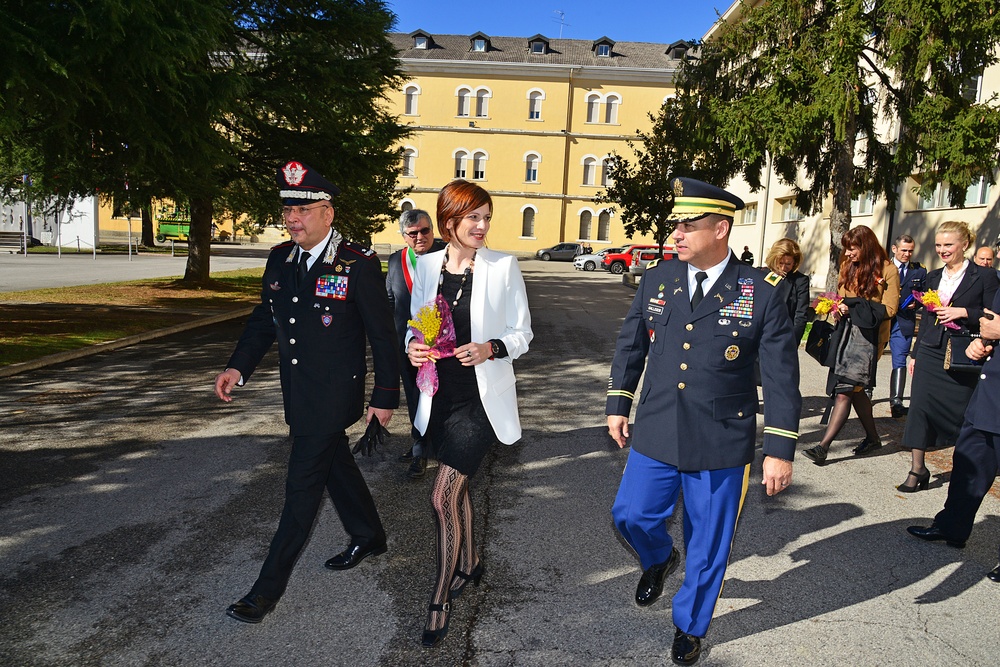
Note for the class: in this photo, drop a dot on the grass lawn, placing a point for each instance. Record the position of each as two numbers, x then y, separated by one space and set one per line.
41 322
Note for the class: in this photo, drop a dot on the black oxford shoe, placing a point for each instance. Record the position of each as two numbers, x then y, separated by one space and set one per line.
933 534
686 648
651 584
994 574
354 554
251 609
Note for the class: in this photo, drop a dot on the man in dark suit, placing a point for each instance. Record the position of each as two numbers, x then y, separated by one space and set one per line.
418 233
911 277
698 325
977 451
321 296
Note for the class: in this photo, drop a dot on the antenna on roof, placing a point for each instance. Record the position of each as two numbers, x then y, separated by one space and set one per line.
561 21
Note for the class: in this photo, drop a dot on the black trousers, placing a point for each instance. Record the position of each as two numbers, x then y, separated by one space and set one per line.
973 470
317 462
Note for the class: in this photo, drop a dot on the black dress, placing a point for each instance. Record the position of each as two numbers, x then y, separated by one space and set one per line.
460 431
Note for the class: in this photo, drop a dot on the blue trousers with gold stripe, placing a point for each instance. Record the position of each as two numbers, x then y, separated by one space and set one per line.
647 497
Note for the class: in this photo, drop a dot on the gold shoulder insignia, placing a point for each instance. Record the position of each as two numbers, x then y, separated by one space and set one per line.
652 263
772 278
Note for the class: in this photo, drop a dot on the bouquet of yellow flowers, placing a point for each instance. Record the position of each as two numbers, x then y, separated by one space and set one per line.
931 300
826 303
433 326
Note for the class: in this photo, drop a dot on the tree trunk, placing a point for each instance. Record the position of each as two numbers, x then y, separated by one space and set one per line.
199 241
840 216
147 224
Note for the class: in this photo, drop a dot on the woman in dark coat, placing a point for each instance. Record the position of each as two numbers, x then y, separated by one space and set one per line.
939 397
784 258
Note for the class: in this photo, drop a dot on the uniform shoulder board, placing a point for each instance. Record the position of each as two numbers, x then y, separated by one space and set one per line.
652 263
772 278
283 244
916 265
358 248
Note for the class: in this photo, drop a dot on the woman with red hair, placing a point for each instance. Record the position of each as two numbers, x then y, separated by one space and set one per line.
475 403
869 287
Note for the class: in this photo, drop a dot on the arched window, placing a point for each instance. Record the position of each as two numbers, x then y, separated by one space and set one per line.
482 103
410 108
528 221
611 109
604 226
463 101
479 166
589 170
606 179
407 205
586 217
593 108
461 161
409 162
531 161
535 98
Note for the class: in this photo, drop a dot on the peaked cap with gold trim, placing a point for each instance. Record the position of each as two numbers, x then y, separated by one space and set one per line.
300 184
695 199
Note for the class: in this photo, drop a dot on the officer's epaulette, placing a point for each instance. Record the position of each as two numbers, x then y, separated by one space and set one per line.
916 265
652 263
283 244
772 278
358 248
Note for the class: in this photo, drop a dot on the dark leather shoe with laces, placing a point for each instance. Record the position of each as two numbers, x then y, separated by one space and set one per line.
994 574
651 583
686 648
418 466
897 410
251 609
867 446
354 554
933 534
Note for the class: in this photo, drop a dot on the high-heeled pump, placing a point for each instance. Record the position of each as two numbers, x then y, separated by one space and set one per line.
922 481
474 577
432 638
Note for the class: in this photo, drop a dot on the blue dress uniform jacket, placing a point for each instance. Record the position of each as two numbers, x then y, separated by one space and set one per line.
320 328
983 412
905 317
699 400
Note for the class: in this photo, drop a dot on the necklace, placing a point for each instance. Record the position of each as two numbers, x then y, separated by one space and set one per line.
465 277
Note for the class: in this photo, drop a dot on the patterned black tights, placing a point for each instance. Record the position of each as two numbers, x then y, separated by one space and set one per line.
455 547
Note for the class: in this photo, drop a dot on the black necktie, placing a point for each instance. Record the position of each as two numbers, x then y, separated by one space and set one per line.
303 269
699 293
902 272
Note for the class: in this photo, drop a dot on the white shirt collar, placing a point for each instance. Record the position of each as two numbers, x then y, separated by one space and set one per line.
713 274
316 250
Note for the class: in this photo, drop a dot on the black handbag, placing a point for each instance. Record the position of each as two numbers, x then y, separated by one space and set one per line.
818 341
954 354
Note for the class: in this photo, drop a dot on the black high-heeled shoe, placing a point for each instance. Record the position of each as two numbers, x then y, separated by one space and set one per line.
474 577
432 638
922 481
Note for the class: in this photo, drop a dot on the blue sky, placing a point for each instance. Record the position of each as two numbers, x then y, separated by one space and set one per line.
662 21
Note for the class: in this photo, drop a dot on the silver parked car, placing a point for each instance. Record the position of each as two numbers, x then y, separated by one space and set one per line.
591 262
563 251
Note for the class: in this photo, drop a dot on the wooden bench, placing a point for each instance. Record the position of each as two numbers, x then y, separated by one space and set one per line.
12 242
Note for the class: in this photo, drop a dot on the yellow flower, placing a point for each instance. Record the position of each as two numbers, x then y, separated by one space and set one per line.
427 322
931 298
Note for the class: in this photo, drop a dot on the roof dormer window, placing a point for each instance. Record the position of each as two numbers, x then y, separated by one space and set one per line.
603 50
479 45
420 42
678 50
479 42
602 47
538 47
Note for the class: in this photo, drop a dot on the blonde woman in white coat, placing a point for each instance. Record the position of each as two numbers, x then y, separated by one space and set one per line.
475 404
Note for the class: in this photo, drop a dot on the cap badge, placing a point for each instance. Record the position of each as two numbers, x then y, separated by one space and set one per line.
678 187
294 173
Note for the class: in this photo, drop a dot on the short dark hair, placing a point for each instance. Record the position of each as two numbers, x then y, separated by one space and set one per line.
903 238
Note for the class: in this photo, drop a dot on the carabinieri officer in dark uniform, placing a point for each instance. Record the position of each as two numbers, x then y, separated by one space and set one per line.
697 325
321 296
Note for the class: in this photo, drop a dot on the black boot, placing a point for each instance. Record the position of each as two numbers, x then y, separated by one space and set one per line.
897 384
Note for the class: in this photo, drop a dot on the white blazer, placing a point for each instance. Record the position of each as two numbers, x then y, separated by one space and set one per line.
499 309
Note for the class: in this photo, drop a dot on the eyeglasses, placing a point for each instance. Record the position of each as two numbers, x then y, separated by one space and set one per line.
418 232
299 210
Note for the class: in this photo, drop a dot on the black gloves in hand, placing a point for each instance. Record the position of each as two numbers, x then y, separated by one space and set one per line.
374 436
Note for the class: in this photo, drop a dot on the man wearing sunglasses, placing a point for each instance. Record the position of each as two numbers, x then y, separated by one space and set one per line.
418 232
321 297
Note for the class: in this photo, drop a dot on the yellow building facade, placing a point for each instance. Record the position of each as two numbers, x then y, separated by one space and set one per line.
533 121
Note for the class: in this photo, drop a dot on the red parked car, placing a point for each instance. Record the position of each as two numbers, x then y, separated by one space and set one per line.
620 262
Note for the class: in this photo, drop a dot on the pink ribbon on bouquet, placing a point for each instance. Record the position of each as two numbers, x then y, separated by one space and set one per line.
443 347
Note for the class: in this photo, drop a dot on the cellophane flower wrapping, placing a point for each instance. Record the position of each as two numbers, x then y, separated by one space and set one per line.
435 327
931 300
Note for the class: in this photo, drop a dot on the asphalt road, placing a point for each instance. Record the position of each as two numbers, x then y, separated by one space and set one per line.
136 507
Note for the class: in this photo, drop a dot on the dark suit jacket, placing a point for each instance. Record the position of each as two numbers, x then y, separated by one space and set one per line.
976 291
798 303
906 318
699 399
984 406
321 329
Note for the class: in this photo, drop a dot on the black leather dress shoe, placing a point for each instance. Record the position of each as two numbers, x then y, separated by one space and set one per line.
994 574
251 609
354 554
933 534
406 457
897 410
686 648
418 466
651 583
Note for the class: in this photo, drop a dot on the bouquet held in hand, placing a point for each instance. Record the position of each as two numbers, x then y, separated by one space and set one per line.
433 326
826 303
931 300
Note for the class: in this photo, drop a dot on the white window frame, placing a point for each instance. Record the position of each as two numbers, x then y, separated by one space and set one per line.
479 45
479 158
411 93
464 95
604 225
531 161
611 103
788 208
535 97
420 42
603 50
594 108
526 221
590 163
409 162
538 48
483 96
749 216
862 204
461 157
588 215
